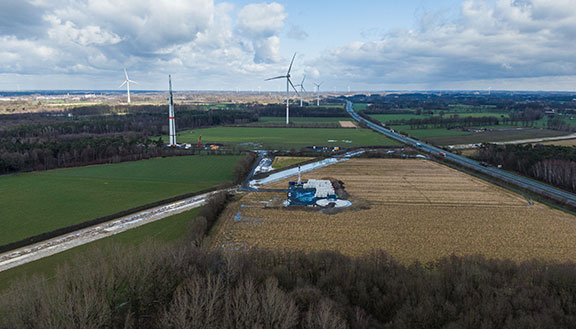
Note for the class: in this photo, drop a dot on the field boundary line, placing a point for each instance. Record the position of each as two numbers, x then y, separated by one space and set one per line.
80 237
75 227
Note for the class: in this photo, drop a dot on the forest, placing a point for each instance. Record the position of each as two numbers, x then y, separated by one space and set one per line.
555 165
98 134
106 134
190 285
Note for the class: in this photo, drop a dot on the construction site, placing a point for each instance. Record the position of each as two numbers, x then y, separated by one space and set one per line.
415 209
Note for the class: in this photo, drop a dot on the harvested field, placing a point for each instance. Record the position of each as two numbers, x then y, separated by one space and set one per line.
418 210
565 142
347 124
491 136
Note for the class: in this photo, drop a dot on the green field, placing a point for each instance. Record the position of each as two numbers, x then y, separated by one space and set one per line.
283 162
385 118
443 136
305 120
34 203
431 132
165 230
359 106
286 137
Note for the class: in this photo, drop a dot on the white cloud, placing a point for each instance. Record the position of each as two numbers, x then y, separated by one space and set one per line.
211 45
98 37
506 40
89 35
24 55
262 19
261 23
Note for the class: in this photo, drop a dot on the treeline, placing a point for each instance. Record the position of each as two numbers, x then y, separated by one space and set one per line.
497 102
279 110
98 134
451 122
183 286
558 123
17 155
555 165
151 121
386 109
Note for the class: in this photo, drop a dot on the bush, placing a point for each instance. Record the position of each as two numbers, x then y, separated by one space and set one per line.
243 167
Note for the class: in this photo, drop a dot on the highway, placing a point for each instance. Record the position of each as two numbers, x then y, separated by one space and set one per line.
556 194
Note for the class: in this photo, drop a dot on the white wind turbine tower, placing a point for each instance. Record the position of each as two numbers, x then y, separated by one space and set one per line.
288 84
318 92
171 120
302 90
127 83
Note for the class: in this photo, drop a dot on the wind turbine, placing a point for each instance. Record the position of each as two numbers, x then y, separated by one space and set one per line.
171 121
288 84
302 90
318 92
127 83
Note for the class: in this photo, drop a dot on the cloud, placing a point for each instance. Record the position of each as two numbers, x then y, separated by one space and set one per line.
262 19
212 44
23 55
261 23
297 33
20 18
64 32
503 40
99 37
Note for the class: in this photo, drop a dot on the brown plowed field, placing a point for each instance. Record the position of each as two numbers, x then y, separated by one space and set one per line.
419 210
347 124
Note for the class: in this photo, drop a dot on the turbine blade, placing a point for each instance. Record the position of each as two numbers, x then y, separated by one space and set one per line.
292 62
290 81
133 81
278 77
126 74
123 83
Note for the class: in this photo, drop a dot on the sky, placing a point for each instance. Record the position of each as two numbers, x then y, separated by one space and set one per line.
363 45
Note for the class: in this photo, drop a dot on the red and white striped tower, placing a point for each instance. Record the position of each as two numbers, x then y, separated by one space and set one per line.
172 123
